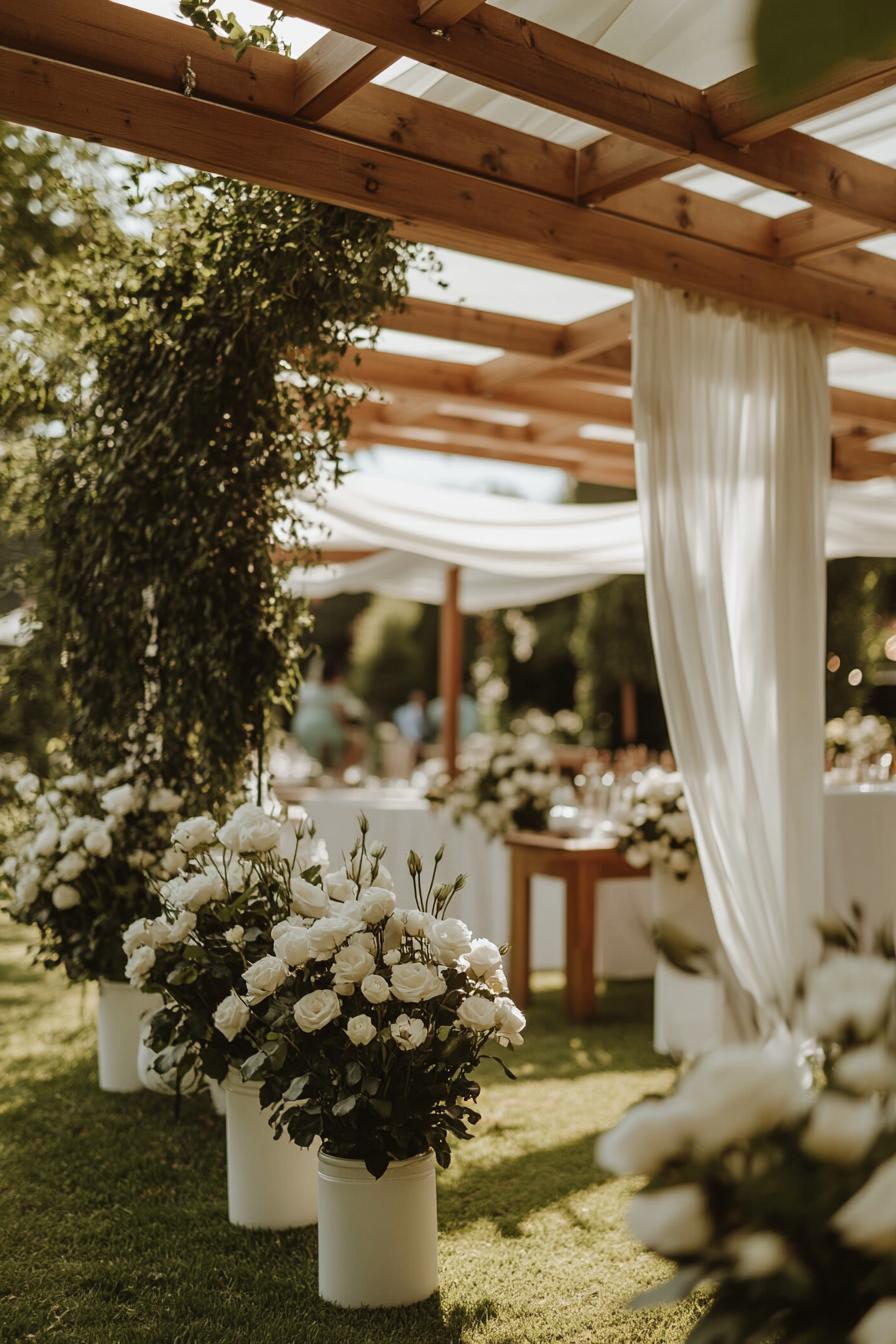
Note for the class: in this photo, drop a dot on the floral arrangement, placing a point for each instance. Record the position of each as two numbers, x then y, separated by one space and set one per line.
510 788
79 869
654 824
773 1176
364 1021
857 738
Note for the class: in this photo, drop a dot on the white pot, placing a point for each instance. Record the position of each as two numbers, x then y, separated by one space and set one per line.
377 1239
270 1182
119 1017
151 1079
216 1092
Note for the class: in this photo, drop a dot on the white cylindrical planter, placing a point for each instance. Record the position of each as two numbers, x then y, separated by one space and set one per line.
151 1079
271 1182
377 1239
120 1012
690 1015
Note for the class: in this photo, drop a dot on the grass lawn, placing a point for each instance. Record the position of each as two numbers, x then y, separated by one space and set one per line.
113 1216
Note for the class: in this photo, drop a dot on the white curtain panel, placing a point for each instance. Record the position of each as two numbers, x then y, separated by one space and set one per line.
732 424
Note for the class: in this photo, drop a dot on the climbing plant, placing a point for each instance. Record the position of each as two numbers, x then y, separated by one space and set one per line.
199 399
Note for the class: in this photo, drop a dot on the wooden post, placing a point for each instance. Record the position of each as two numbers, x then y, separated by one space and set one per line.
628 696
450 659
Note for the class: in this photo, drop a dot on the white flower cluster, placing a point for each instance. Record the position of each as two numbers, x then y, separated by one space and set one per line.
512 788
857 738
77 823
654 824
747 1111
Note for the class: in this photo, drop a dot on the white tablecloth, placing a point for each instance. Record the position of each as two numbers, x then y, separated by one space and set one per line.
401 820
860 851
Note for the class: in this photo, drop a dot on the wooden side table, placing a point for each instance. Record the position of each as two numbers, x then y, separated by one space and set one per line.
581 864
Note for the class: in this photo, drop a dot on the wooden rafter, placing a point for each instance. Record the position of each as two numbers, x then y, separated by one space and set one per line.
739 111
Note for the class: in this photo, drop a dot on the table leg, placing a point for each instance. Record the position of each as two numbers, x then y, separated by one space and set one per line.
520 931
580 888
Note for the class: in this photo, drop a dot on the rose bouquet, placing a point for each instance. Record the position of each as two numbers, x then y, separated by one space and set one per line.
773 1176
80 868
856 738
511 788
239 886
654 825
363 1021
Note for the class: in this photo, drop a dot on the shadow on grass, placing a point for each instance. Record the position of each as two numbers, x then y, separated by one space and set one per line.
506 1193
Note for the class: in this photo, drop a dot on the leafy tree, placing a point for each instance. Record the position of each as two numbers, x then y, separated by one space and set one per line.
188 440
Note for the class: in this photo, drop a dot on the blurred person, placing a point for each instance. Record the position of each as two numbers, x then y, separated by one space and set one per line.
410 720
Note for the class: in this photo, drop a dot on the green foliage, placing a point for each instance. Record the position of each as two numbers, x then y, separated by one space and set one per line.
229 31
389 654
858 598
187 441
800 41
612 645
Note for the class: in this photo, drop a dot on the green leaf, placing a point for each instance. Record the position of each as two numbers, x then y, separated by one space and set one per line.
255 1067
672 1290
798 42
297 1087
344 1105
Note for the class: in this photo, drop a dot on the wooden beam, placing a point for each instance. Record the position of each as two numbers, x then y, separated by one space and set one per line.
695 215
332 70
613 164
476 326
426 202
871 271
741 113
813 233
544 67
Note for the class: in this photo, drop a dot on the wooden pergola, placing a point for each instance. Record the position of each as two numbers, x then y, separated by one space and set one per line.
558 395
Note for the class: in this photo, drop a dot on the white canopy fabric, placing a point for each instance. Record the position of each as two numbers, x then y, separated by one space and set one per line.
513 552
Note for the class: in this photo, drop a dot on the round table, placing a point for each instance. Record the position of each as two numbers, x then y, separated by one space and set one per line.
402 820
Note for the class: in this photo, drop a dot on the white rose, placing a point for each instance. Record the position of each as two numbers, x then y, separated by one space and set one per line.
759 1254
365 940
392 957
75 831
178 931
195 831
412 982
316 1010
293 947
164 800
231 1016
477 1013
879 1326
263 977
360 1030
376 904
849 994
646 1138
353 964
375 989
73 783
868 1220
450 939
483 958
671 1222
680 861
340 886
64 896
194 892
98 842
28 787
141 933
413 922
119 802
250 831
509 1020
46 839
27 889
637 856
306 898
171 861
841 1129
739 1091
139 965
867 1069
71 866
236 936
328 935
408 1033
237 871
497 981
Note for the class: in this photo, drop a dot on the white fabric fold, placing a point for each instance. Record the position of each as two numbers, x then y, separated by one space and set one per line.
732 425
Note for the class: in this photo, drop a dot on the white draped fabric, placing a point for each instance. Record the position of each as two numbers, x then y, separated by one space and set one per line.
512 552
732 424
